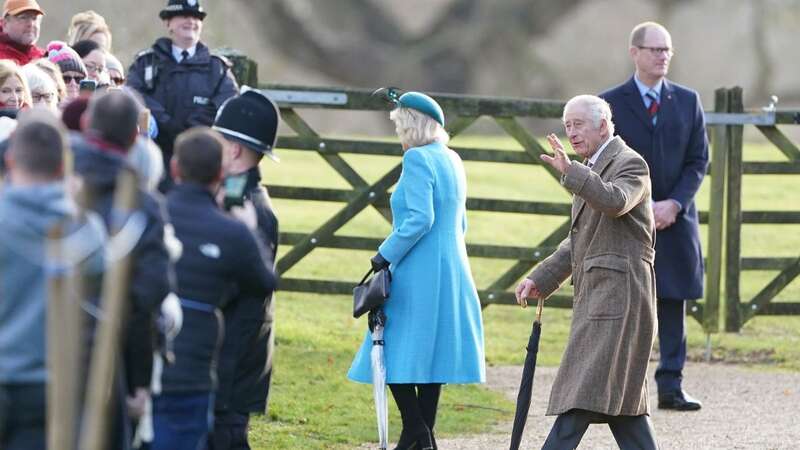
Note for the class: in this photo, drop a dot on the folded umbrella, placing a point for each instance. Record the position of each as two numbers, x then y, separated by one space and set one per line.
377 322
526 384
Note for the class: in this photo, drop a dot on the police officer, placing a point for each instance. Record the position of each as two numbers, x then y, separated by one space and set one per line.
183 84
249 124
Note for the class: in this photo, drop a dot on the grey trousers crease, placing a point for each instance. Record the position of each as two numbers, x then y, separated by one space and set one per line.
630 432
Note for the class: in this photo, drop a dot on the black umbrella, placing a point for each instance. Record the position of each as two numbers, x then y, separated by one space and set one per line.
526 384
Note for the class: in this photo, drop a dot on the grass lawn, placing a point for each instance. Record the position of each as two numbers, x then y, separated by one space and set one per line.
313 406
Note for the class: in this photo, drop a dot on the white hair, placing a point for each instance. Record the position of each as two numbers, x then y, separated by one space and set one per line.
145 157
416 129
112 63
39 82
598 108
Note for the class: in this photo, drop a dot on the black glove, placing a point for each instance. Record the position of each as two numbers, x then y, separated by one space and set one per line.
378 262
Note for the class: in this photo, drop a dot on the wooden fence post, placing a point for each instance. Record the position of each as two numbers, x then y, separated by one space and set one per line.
716 223
64 345
733 248
244 69
100 395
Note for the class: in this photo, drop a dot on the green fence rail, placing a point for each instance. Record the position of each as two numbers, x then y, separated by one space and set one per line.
725 217
462 111
729 149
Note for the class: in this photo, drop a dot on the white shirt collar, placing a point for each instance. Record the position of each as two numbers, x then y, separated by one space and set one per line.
596 155
177 52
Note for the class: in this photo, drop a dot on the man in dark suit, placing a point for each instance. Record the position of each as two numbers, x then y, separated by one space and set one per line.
664 122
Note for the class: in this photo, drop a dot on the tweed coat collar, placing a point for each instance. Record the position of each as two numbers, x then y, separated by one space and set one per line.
609 153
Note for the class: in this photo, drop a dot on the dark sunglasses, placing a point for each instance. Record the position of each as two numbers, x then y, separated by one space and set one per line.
70 78
118 81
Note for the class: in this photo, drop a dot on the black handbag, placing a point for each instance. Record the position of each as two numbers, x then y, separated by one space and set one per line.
371 294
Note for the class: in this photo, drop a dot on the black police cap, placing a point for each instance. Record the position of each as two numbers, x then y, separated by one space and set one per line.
182 8
250 119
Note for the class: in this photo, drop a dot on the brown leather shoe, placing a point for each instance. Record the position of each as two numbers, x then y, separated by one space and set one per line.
679 401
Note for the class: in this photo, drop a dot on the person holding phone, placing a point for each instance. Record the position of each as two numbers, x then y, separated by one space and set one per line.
249 124
219 253
87 87
94 58
73 71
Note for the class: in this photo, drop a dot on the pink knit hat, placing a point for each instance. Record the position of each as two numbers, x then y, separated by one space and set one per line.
65 57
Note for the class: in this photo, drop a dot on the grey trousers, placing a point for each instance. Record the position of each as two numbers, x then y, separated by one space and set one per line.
630 432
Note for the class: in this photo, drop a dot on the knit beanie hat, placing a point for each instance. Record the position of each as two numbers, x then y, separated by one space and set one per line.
112 63
65 57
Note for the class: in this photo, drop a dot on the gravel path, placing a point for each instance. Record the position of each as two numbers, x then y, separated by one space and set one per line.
742 409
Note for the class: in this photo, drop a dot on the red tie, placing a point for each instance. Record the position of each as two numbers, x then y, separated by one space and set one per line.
653 109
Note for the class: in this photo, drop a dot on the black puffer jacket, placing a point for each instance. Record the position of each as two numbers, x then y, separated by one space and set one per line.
180 95
220 258
245 368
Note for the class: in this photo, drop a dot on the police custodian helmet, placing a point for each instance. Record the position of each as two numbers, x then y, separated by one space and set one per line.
250 119
182 8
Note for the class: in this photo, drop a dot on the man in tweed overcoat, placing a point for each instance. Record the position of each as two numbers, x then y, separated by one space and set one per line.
609 254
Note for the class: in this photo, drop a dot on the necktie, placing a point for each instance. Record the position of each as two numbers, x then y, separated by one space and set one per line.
184 55
653 109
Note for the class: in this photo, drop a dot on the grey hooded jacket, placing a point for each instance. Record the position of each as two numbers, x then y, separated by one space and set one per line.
27 214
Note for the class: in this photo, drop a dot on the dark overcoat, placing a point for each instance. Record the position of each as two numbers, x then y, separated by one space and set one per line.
676 149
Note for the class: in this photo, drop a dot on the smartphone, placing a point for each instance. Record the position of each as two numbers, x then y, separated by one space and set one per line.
234 186
88 86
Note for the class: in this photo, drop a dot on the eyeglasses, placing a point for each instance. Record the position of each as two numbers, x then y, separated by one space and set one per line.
76 78
95 68
655 51
46 97
117 81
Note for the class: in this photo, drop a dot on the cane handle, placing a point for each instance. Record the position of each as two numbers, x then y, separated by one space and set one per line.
539 307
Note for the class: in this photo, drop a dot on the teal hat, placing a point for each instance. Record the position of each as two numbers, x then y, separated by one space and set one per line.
414 100
422 103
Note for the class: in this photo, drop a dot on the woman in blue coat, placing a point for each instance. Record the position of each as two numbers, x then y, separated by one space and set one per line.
434 332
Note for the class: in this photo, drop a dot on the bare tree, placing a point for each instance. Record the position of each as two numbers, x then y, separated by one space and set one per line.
764 63
358 42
